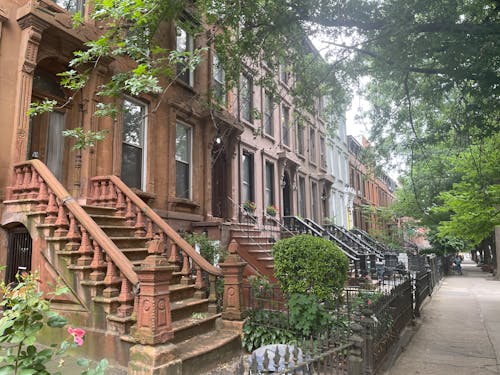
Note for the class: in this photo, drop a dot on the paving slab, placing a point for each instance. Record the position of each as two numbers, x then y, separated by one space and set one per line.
459 329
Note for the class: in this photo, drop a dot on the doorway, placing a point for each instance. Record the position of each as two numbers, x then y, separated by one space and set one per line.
219 181
19 253
287 206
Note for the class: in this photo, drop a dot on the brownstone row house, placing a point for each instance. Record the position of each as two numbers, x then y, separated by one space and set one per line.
371 191
166 164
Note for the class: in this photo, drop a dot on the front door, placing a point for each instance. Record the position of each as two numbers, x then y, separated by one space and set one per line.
47 141
219 181
287 207
19 253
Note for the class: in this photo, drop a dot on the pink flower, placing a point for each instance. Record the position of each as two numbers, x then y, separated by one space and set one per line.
369 302
77 334
78 340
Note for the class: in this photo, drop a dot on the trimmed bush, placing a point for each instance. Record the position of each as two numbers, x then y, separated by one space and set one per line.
311 265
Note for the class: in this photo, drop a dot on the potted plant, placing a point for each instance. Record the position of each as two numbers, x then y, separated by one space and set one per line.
271 210
249 207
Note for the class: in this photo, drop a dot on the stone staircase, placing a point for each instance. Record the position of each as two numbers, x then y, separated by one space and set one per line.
255 247
95 250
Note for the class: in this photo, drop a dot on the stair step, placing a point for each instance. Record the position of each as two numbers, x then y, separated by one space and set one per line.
193 326
185 308
108 219
135 254
204 352
118 230
99 210
129 242
180 292
265 259
259 251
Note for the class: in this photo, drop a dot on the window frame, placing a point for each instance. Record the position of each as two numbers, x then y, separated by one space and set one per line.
267 111
189 163
269 185
248 98
218 80
189 48
285 125
144 135
247 155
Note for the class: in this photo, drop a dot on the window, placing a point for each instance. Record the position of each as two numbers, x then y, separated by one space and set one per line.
284 74
300 138
285 125
72 6
246 98
302 196
322 152
184 43
219 80
247 177
314 200
312 145
268 115
133 144
269 187
183 145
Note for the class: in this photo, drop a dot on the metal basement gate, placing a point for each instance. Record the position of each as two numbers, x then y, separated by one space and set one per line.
19 253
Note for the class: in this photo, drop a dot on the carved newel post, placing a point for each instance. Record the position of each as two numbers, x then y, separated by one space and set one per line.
154 321
233 279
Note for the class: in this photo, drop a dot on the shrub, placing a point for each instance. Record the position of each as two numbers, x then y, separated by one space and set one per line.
307 315
210 250
264 327
310 265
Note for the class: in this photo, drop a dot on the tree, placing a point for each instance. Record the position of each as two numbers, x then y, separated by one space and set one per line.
474 201
433 65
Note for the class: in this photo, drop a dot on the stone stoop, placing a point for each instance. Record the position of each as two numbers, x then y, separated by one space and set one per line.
255 248
200 342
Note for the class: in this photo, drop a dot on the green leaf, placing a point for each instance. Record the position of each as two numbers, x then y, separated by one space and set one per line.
57 321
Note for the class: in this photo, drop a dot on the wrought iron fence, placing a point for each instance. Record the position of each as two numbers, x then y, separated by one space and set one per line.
368 322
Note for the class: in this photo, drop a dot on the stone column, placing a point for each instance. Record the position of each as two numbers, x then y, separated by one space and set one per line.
30 41
154 322
154 354
233 280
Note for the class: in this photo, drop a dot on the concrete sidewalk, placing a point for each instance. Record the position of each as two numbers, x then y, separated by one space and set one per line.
460 329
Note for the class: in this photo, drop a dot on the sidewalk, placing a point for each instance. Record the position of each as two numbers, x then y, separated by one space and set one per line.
460 329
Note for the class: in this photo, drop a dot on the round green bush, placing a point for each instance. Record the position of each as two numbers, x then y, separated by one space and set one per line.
308 264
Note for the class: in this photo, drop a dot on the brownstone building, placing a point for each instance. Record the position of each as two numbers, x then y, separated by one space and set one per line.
371 191
99 220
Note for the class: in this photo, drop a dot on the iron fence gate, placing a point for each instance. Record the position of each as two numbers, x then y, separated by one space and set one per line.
19 253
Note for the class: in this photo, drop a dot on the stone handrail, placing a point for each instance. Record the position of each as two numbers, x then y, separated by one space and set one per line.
143 208
25 180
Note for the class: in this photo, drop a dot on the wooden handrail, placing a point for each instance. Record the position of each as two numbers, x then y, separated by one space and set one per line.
120 260
169 231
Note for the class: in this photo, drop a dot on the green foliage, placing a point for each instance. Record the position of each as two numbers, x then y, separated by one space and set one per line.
310 265
37 108
84 139
210 250
474 201
25 313
261 286
307 315
262 327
